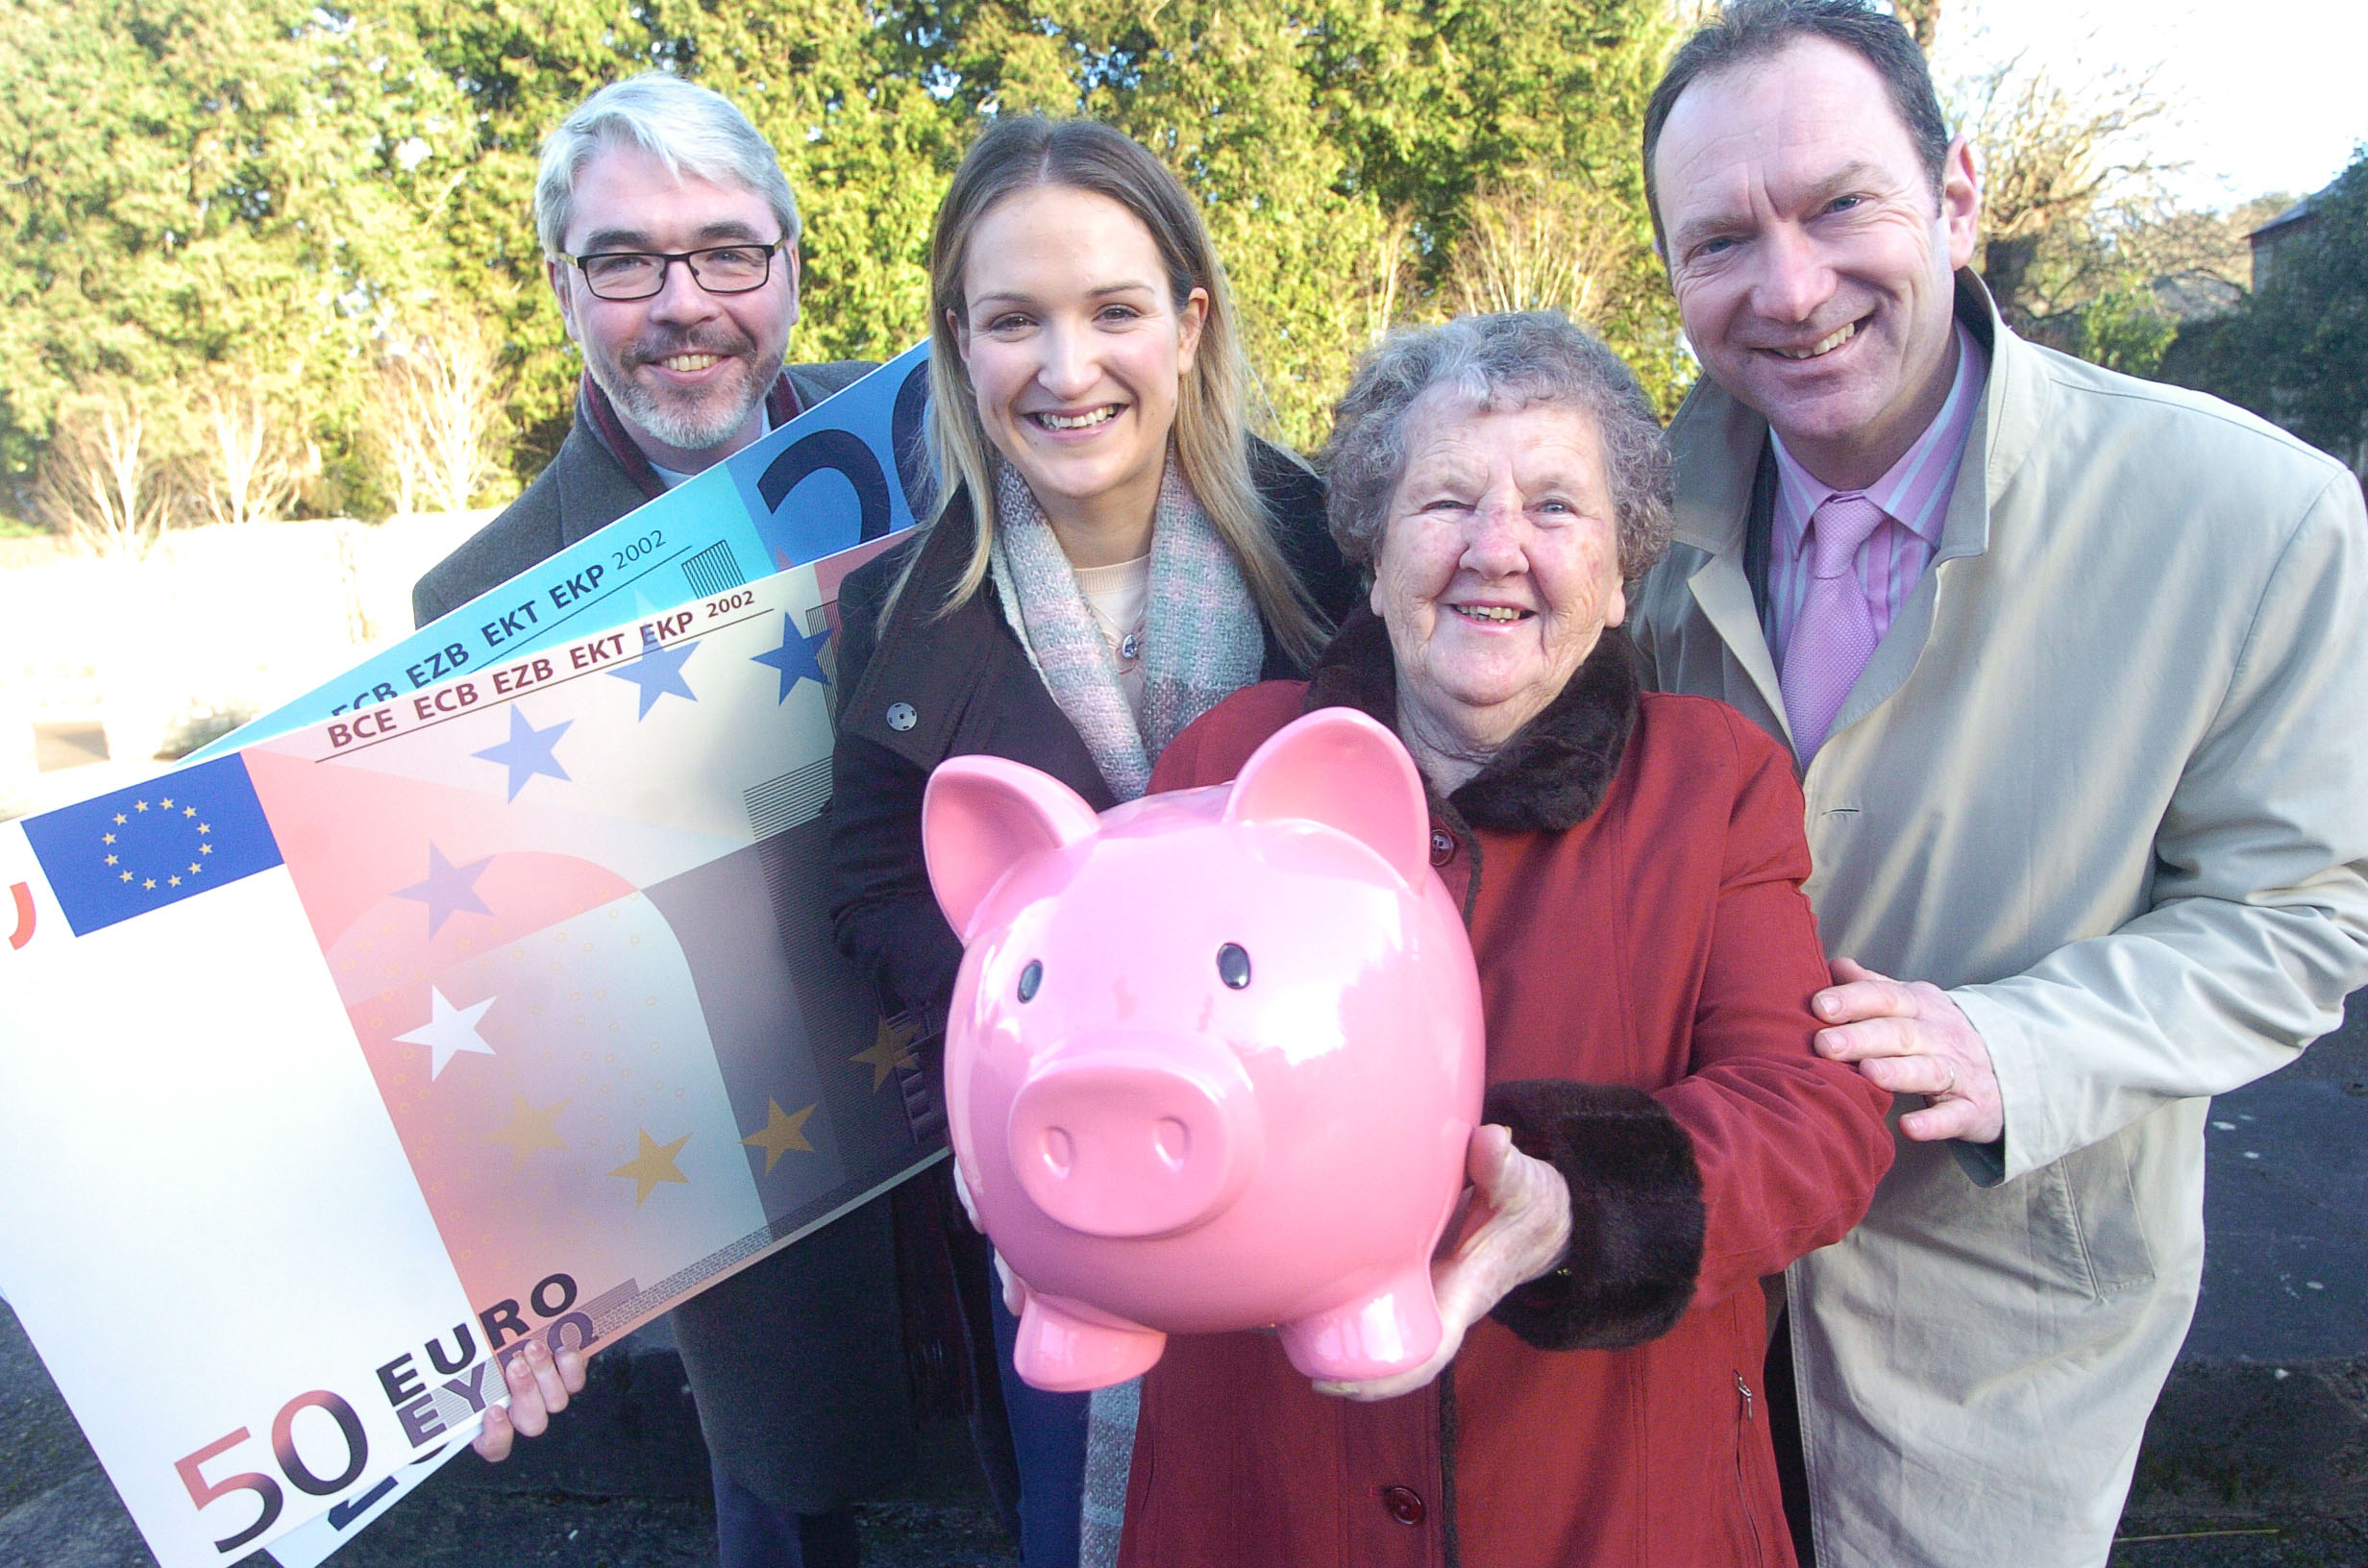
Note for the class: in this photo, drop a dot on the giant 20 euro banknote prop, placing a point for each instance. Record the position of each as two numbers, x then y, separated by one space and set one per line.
335 1069
849 470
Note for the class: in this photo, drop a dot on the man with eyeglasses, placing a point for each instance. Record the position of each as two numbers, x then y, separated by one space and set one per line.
671 240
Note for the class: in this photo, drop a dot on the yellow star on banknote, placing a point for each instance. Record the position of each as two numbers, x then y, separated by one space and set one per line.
781 1134
654 1164
528 1131
891 1048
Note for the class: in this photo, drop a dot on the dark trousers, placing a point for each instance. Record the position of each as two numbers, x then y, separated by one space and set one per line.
1048 1432
750 1532
1784 1428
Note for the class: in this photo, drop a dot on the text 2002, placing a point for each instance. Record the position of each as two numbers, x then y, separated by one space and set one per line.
647 544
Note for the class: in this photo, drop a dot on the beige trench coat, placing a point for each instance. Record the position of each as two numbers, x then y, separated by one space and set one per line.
2106 779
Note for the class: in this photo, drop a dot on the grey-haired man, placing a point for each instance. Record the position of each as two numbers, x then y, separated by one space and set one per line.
671 240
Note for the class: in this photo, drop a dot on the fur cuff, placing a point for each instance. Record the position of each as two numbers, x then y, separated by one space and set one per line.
1635 1214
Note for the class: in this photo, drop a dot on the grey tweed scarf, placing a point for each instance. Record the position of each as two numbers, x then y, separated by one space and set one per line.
1201 643
1202 637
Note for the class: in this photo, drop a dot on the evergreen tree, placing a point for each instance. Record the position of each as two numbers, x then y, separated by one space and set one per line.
258 198
1340 145
182 202
2295 351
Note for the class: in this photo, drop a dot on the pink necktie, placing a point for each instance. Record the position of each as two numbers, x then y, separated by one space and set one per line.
1834 635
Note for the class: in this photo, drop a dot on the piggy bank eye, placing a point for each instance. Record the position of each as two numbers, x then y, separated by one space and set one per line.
1233 965
1034 975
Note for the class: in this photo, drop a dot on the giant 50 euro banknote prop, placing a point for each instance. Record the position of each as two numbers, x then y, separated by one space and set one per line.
333 1070
852 469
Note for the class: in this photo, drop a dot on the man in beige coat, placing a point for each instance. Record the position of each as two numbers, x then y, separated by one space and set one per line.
2077 666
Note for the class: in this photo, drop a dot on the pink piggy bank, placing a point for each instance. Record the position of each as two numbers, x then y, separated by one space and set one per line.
1215 1057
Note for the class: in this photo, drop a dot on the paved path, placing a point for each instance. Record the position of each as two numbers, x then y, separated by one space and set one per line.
2257 1456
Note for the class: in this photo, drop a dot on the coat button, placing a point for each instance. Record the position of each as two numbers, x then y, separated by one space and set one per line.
1443 851
1403 1504
901 717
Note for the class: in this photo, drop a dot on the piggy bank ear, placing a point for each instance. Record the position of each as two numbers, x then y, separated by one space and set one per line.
1339 768
982 816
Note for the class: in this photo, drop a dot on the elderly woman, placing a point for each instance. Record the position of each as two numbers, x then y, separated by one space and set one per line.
1660 1135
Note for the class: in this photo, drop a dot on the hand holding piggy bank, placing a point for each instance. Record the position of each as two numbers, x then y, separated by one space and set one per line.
1215 1057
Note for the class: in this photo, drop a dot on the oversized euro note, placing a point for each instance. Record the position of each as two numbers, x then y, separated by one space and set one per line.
849 470
334 1070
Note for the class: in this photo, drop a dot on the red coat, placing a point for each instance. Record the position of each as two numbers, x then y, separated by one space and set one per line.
1646 960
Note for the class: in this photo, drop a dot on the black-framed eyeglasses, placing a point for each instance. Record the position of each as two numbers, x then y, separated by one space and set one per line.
641 275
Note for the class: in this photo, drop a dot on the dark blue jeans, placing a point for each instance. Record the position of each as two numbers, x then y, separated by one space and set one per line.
1048 1432
750 1532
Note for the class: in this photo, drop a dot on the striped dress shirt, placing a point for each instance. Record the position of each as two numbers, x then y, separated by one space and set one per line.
1914 498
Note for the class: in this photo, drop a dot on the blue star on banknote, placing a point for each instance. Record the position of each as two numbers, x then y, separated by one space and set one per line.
796 658
529 751
658 673
449 891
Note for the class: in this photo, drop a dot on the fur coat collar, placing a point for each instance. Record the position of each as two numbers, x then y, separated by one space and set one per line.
1555 771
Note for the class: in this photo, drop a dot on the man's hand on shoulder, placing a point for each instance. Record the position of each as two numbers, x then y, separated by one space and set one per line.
1908 1037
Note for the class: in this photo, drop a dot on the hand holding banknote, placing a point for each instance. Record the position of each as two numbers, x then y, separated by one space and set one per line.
539 1384
494 983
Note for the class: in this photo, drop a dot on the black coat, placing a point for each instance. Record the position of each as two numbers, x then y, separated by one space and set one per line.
971 691
797 1361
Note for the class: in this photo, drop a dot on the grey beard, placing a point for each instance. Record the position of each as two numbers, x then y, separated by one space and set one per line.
686 426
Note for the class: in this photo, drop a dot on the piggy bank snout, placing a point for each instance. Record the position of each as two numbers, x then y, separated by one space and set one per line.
1135 1141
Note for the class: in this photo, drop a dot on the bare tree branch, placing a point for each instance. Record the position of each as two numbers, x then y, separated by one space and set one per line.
1535 241
252 474
101 481
1922 18
2052 157
439 411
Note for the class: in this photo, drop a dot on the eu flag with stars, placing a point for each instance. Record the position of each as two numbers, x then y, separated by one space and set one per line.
156 843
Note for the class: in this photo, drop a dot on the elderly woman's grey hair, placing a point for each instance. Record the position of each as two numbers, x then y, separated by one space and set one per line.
1497 364
692 131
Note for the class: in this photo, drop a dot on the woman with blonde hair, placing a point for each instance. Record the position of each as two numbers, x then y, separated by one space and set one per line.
1112 553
